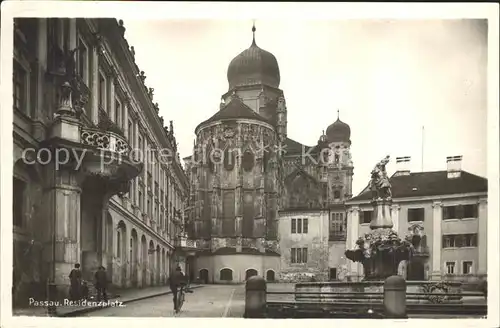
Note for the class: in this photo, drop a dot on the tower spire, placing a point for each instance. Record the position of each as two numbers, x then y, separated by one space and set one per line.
253 32
338 115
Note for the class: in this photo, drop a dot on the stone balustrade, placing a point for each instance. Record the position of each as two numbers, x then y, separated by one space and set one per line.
104 140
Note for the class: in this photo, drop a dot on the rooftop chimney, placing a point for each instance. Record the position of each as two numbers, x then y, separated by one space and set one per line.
454 164
402 166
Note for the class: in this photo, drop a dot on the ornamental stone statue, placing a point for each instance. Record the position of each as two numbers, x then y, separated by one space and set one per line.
379 183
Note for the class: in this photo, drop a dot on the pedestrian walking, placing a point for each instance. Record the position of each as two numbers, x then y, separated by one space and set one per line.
101 282
75 278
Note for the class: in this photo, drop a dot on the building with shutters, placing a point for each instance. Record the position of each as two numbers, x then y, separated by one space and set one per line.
443 213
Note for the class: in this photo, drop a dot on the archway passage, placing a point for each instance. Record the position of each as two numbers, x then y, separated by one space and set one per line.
270 275
109 245
163 267
144 260
121 252
415 271
250 273
158 265
204 276
151 263
226 275
134 249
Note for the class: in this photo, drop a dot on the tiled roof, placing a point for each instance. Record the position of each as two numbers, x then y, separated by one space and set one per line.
293 147
235 109
420 184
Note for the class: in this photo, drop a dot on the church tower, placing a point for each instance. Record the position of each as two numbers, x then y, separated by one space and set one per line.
340 166
254 76
235 173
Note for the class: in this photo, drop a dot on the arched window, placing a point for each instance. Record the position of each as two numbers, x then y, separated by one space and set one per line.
248 161
250 273
229 159
204 276
270 275
118 245
226 274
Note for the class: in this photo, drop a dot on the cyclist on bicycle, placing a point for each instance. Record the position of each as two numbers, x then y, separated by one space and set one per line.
177 280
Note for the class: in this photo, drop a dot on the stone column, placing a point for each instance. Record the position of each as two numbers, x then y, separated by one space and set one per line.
126 106
126 272
395 208
352 235
62 200
382 215
145 175
42 113
437 218
482 238
94 84
238 200
111 101
61 35
137 147
154 178
72 34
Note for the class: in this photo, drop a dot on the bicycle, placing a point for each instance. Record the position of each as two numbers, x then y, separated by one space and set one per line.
181 296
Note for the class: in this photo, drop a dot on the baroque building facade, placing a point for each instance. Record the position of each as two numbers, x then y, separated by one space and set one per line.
262 203
443 213
89 185
318 182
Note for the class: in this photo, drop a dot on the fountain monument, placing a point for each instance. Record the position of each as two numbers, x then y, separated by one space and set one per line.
381 250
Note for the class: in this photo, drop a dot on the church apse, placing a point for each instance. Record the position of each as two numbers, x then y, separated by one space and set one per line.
234 188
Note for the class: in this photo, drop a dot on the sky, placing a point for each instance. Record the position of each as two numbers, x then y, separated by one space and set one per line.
388 79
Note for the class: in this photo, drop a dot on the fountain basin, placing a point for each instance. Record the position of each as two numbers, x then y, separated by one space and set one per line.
428 292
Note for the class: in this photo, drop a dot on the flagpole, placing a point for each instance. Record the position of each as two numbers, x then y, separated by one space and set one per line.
422 164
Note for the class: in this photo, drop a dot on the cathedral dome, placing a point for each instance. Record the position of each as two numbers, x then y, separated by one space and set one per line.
338 132
253 66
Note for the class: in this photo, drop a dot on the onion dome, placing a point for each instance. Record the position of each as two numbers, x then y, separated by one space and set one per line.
338 131
253 66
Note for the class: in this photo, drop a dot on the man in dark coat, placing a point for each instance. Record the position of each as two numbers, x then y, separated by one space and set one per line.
101 282
75 278
177 279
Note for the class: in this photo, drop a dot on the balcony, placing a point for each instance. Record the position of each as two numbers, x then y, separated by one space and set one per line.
104 140
188 246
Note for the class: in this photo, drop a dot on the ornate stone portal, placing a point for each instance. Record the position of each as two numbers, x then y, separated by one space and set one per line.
381 250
